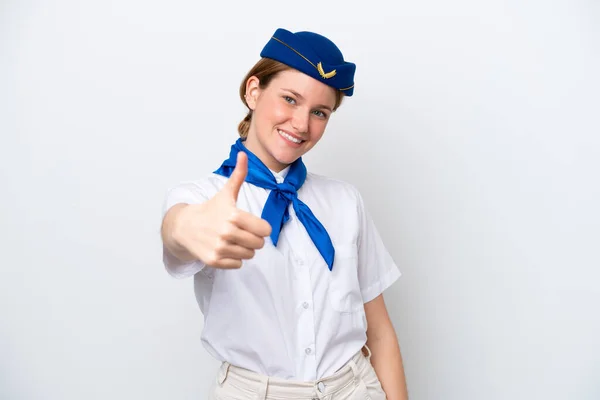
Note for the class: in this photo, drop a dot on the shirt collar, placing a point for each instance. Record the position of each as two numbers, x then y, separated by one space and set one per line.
280 176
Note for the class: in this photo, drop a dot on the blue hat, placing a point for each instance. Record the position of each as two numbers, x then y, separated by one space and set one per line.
313 54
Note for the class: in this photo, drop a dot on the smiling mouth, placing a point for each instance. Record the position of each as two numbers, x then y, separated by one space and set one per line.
289 137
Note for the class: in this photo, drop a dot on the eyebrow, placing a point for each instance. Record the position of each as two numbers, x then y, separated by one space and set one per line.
301 97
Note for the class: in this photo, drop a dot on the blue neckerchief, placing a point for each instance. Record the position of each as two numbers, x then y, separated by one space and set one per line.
275 210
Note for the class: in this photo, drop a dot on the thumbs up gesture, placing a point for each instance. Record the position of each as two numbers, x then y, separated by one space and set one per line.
216 232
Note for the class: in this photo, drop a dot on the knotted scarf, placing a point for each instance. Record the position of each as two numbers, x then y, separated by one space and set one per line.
275 210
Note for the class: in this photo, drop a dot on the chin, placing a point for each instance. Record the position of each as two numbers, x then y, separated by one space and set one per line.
284 161
287 157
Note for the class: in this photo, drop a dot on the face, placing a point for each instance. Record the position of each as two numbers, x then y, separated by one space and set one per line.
289 117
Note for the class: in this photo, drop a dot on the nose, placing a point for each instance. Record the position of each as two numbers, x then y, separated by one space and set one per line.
300 120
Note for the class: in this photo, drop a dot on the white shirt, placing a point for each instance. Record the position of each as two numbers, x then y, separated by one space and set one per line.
284 313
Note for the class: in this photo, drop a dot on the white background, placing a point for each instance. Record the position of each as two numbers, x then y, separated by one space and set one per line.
473 135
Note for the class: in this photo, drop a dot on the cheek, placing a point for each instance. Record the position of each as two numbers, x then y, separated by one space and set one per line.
280 112
273 111
317 129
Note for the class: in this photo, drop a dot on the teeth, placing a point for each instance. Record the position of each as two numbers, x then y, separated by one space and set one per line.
288 137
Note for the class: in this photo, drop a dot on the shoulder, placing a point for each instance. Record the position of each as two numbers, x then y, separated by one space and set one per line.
205 184
334 187
195 191
327 181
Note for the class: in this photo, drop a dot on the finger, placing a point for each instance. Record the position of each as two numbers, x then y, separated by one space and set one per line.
244 238
215 259
235 181
227 263
251 223
235 251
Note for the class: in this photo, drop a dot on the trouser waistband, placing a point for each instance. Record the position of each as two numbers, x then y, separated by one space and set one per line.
282 388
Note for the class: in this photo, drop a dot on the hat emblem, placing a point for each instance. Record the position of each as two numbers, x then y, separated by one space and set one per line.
325 75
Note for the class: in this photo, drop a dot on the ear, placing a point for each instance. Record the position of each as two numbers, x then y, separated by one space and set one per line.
252 91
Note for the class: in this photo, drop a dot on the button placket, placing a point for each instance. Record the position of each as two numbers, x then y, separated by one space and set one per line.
300 260
306 328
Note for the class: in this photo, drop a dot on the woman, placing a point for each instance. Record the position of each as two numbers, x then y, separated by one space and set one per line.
288 267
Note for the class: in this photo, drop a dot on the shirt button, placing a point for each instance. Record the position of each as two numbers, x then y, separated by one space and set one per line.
300 262
305 305
308 350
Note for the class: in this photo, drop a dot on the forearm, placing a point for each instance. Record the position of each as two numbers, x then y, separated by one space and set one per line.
169 236
387 362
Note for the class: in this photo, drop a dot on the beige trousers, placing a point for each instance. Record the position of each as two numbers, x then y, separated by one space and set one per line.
356 380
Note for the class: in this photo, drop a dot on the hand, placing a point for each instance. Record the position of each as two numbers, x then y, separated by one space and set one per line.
218 233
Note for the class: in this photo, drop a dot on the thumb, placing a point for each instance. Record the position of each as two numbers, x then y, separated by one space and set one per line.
238 175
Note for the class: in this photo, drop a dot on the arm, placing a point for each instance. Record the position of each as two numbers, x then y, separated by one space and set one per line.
386 357
169 237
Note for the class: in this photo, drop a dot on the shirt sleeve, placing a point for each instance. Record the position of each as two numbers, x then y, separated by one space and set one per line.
187 193
376 269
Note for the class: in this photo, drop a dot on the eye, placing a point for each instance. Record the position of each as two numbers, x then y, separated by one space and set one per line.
320 114
289 99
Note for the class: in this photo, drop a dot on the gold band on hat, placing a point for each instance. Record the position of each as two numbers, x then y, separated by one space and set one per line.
319 66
